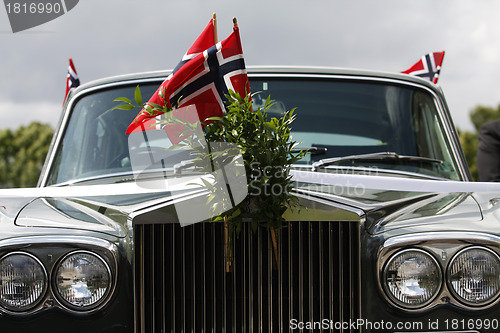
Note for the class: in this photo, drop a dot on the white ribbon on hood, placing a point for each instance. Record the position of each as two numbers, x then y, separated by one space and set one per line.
386 183
344 180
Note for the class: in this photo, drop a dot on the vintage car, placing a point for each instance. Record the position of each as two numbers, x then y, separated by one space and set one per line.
357 257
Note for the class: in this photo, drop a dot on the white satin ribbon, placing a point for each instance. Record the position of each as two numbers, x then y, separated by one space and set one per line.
129 188
392 183
343 180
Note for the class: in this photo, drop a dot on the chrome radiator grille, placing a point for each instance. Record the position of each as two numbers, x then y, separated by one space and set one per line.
306 272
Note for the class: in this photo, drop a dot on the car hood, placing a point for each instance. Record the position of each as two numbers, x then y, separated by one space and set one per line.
386 210
382 210
436 211
72 214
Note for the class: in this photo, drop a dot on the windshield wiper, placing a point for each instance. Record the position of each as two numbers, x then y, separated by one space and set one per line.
385 156
310 150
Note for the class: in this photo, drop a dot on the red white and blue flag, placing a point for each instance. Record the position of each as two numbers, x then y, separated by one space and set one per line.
204 41
72 80
203 82
146 121
428 67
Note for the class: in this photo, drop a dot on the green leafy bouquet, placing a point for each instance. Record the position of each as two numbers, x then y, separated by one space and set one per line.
267 149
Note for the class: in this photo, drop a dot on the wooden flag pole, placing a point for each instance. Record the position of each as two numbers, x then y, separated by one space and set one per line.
214 22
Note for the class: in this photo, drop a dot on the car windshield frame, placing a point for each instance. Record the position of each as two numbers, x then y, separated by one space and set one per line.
442 117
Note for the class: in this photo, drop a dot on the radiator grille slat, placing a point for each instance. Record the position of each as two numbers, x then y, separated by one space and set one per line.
307 271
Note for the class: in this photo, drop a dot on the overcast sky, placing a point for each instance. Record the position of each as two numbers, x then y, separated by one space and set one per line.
112 37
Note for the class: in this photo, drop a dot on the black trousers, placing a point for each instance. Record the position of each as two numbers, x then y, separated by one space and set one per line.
488 152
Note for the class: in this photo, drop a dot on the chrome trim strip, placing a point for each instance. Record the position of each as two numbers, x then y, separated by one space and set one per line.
163 285
330 271
359 269
449 236
204 272
250 280
174 289
28 241
301 276
184 281
310 269
259 281
321 272
281 295
330 200
341 273
290 272
142 296
270 259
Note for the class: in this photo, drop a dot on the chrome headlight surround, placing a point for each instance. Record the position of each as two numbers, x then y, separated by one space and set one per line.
82 280
444 246
412 278
49 251
473 276
33 288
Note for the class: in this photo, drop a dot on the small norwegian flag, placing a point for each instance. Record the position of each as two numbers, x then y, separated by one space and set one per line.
202 82
145 121
72 80
204 41
428 67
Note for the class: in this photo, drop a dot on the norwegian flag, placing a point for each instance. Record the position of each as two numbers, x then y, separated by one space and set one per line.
205 40
72 80
428 67
202 82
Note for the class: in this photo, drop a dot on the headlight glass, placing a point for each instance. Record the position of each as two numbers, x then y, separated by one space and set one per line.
474 275
23 281
82 280
412 278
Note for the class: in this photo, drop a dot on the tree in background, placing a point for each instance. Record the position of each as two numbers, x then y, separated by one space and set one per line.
469 140
22 153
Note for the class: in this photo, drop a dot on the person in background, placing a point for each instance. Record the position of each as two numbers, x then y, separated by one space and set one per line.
488 152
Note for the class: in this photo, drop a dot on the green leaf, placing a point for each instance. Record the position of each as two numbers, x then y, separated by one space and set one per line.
154 105
207 183
123 99
124 107
215 118
138 96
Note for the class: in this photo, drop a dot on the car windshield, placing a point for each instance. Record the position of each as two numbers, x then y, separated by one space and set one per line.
338 118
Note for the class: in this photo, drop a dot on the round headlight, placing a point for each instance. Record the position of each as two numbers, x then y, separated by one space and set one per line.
23 281
82 280
412 278
474 275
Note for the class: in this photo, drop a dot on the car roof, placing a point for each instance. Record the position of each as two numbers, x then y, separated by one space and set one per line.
269 70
